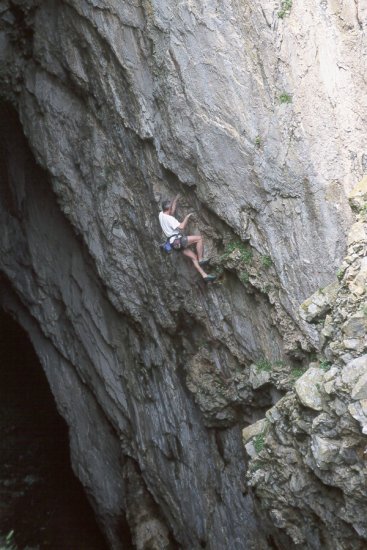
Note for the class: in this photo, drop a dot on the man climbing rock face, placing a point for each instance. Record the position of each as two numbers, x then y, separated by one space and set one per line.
171 227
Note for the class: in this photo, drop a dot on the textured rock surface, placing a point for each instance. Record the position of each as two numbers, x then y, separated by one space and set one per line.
308 389
121 104
310 473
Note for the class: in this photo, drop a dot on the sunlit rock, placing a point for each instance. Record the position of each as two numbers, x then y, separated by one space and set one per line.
308 389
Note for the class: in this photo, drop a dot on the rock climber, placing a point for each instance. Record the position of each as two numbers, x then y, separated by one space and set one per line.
171 226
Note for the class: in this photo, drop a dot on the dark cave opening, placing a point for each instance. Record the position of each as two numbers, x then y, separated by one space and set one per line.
40 497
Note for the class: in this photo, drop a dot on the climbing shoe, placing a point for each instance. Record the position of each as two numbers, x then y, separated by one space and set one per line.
203 262
209 278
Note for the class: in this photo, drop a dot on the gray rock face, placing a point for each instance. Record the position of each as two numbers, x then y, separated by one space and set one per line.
134 428
256 117
314 448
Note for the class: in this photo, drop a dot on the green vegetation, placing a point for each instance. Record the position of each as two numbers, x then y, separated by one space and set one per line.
297 373
363 210
245 253
264 365
246 256
266 261
8 543
364 311
285 8
279 363
325 365
258 141
340 274
285 98
254 466
259 442
244 277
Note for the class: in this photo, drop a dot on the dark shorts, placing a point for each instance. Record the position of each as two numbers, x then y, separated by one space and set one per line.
184 241
180 242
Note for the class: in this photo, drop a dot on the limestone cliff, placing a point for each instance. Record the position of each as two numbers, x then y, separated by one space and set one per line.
256 114
309 455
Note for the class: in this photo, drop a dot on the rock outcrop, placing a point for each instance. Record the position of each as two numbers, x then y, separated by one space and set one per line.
309 455
255 113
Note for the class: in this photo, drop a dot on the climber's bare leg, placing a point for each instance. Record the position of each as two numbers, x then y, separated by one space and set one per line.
193 257
198 240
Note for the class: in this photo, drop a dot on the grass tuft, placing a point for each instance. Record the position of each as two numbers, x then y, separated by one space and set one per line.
254 466
259 442
8 543
263 365
266 261
285 8
325 365
245 253
285 98
297 373
340 274
244 277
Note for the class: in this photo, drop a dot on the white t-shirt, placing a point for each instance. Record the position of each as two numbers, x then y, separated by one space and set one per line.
169 224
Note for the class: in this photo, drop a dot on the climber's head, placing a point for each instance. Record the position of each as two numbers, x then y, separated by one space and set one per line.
166 205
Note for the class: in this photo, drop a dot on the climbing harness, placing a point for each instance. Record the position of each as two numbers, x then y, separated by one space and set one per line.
174 242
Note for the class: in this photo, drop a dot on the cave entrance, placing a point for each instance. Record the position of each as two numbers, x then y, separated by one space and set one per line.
40 498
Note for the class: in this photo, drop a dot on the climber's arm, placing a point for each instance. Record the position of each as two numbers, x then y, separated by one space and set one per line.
183 224
174 205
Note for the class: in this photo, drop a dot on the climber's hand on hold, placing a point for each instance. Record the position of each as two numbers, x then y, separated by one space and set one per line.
174 204
184 223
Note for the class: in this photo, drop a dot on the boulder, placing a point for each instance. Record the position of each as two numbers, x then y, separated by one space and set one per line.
324 450
319 303
359 412
355 326
308 389
353 370
360 389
